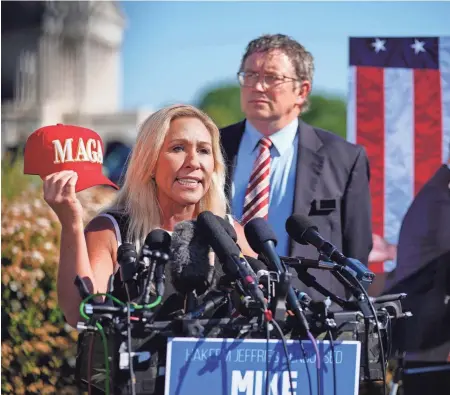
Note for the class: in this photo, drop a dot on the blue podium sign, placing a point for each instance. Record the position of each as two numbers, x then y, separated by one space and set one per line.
216 366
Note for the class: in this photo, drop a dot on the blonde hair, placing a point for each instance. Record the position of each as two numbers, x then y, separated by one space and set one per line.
138 199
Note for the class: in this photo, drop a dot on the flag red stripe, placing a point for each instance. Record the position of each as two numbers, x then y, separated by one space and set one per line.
427 125
370 134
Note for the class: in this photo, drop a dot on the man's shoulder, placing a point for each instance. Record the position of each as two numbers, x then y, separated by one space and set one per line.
338 147
230 137
433 191
233 128
335 141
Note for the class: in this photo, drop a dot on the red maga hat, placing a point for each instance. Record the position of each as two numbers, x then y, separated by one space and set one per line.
66 147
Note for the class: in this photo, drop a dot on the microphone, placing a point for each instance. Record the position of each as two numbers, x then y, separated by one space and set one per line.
262 240
213 301
269 279
299 262
257 266
154 252
228 228
229 254
160 275
303 231
190 266
127 259
237 296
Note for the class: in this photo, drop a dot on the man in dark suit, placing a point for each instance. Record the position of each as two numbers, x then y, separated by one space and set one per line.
312 171
425 231
423 273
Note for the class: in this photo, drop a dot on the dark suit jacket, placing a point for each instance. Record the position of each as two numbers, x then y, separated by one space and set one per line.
423 269
332 188
427 291
425 231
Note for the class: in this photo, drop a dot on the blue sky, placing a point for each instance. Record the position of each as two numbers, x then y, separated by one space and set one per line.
175 51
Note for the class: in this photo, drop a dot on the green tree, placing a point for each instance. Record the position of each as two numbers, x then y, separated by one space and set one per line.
328 113
222 104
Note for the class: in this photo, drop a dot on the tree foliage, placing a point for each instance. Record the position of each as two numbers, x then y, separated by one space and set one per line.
223 105
327 113
38 348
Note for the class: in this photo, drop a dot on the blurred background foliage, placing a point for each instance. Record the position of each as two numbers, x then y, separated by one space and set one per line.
38 347
222 104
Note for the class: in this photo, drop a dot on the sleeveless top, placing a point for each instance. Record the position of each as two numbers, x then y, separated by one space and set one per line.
171 300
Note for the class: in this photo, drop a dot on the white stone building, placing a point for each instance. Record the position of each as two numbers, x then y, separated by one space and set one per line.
61 63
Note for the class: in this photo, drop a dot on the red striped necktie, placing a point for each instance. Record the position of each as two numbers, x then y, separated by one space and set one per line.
256 202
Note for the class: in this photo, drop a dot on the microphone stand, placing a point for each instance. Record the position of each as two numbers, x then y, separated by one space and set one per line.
278 302
348 281
156 258
301 265
191 325
145 296
365 306
310 281
306 263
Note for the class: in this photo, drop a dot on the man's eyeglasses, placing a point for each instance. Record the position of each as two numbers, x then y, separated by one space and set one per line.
248 78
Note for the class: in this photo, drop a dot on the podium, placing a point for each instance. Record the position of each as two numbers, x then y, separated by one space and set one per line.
239 367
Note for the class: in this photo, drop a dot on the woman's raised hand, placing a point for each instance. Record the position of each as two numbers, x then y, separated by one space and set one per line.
59 193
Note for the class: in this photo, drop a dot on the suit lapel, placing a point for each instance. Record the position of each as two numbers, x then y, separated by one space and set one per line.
309 168
231 138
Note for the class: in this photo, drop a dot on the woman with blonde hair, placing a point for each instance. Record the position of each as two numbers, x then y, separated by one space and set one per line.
176 170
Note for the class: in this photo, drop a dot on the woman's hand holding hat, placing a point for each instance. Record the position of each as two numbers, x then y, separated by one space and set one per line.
59 193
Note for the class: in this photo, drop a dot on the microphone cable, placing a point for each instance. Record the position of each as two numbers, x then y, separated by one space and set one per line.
127 291
307 367
316 351
89 364
388 332
377 323
307 300
303 231
358 284
130 356
102 334
330 336
269 319
288 362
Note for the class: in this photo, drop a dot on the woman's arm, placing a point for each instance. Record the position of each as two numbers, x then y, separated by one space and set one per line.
242 240
89 255
86 254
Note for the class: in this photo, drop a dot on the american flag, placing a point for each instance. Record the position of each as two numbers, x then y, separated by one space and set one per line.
399 110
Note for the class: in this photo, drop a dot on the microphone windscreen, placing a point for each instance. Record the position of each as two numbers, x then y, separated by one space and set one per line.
190 267
257 232
216 236
158 240
127 260
256 264
228 227
297 225
126 253
180 247
262 258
